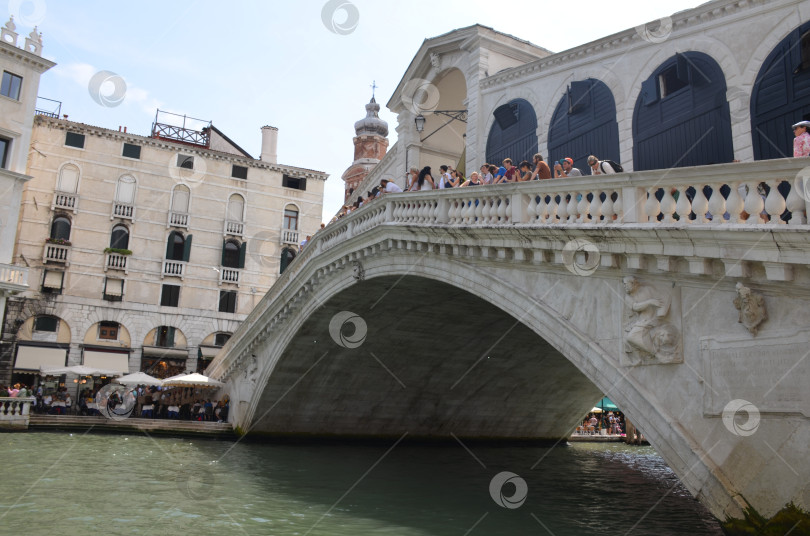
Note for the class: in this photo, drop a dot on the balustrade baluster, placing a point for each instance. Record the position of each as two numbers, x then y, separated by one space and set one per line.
479 211
502 211
668 205
542 209
562 209
717 205
572 208
700 205
531 209
652 207
683 208
735 205
795 203
774 204
608 208
584 208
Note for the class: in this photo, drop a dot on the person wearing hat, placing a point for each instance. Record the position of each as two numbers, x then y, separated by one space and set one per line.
801 141
388 187
565 168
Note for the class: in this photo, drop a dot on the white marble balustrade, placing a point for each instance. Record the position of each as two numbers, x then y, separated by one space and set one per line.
15 412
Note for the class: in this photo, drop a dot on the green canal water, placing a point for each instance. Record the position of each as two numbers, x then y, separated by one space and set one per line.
86 483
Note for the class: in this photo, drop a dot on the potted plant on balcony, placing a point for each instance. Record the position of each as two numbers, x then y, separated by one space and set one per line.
58 241
119 251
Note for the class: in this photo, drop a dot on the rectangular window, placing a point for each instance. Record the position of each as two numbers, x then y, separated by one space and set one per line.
671 81
52 281
113 289
294 183
5 150
170 295
132 151
108 331
185 161
221 338
46 323
239 172
227 301
74 140
164 337
11 85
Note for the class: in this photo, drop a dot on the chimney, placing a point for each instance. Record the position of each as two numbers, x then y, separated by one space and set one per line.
269 145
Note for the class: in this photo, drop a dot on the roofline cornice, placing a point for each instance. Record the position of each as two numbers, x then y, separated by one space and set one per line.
706 12
64 124
23 56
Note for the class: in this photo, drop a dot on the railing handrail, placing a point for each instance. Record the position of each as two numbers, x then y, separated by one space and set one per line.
639 182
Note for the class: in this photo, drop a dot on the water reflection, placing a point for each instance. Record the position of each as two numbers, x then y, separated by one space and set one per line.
78 483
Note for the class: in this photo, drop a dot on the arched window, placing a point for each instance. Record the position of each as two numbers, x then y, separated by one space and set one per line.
513 134
236 208
68 179
175 247
291 218
180 198
60 228
125 191
287 255
230 254
119 239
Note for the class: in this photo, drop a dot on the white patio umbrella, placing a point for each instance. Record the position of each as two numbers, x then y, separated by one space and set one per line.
191 380
139 378
596 410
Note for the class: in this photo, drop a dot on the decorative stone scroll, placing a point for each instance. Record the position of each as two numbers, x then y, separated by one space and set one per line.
751 307
651 332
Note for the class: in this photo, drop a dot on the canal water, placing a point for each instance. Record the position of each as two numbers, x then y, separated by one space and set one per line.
86 483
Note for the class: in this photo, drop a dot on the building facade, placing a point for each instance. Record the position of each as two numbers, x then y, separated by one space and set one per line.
146 252
21 68
721 82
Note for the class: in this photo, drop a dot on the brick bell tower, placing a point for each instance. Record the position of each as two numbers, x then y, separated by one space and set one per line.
370 145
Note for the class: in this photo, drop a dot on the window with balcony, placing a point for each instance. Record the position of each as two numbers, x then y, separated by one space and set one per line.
124 204
291 218
227 301
11 85
131 151
287 255
294 183
60 230
119 238
239 172
73 139
46 323
68 179
178 247
108 331
233 255
164 337
170 295
5 150
236 208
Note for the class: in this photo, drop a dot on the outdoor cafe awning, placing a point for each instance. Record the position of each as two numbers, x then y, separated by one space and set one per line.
36 357
118 361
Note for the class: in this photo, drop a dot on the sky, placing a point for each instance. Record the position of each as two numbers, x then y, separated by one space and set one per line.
304 67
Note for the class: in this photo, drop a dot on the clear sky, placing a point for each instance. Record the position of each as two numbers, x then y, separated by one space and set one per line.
245 64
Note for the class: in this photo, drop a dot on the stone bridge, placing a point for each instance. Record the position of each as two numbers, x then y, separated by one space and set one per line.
505 312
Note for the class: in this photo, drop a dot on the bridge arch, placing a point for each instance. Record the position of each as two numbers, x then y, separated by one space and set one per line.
557 325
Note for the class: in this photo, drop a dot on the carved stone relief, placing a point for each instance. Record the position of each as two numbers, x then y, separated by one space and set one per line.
651 333
357 271
751 307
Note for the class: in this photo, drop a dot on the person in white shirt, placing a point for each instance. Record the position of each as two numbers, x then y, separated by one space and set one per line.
600 167
388 187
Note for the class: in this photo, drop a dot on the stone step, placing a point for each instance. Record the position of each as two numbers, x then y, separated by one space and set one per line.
132 424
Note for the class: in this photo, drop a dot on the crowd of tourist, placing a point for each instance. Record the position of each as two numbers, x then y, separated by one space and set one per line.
184 403
612 423
423 180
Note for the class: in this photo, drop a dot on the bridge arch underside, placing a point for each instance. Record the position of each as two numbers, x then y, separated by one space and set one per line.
436 362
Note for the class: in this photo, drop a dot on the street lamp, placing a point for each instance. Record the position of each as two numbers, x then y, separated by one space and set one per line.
420 122
454 115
